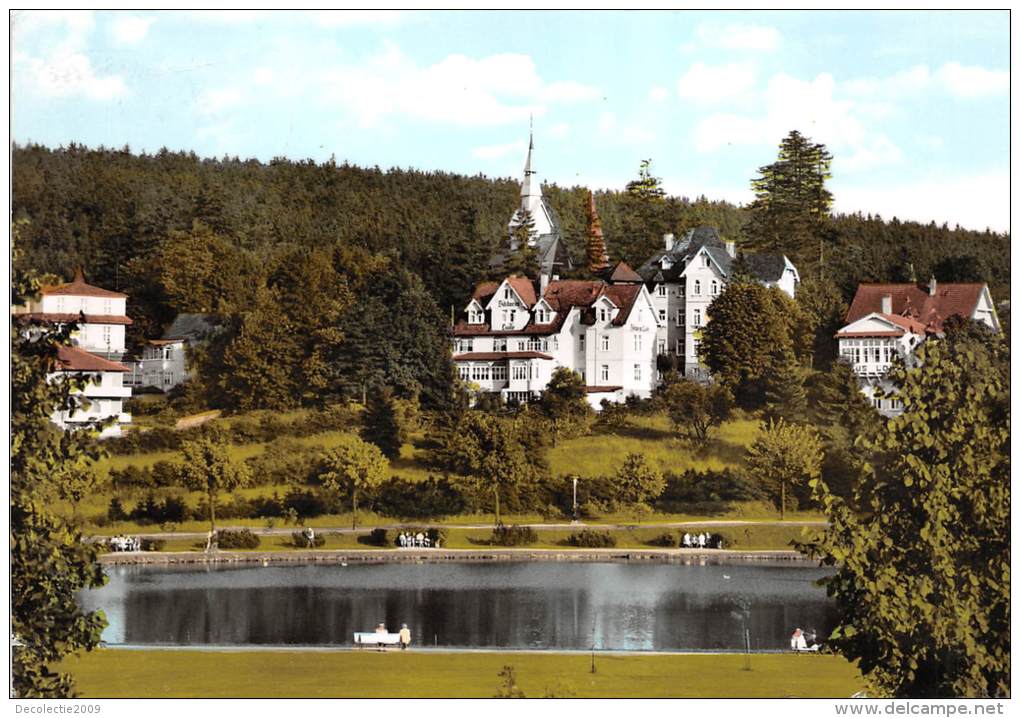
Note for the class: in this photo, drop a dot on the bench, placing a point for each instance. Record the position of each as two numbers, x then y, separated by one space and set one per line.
376 639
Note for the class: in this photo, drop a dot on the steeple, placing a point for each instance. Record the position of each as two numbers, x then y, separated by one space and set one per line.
598 259
528 172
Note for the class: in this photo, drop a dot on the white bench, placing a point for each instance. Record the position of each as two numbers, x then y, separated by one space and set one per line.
376 639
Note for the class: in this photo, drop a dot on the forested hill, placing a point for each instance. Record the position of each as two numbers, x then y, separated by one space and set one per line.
122 216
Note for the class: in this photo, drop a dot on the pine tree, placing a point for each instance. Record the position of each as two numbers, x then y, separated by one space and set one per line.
785 397
598 258
791 205
381 423
523 257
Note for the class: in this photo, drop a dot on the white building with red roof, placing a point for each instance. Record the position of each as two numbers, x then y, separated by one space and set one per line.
98 344
511 338
889 321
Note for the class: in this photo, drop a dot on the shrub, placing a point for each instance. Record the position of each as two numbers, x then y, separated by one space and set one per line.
165 473
694 487
591 539
427 499
150 544
298 539
130 477
666 540
116 511
240 538
378 537
508 535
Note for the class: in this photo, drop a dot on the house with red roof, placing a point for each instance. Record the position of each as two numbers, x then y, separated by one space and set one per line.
513 334
886 322
97 348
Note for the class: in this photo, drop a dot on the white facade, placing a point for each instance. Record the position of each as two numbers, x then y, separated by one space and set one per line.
163 365
97 343
511 344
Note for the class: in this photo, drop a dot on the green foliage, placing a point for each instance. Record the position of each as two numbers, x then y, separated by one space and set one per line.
750 325
785 457
588 538
791 205
50 563
785 397
522 259
509 535
922 548
207 467
637 482
354 467
564 403
239 538
299 539
695 408
826 310
380 423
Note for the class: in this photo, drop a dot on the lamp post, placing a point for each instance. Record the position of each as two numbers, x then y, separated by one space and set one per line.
575 500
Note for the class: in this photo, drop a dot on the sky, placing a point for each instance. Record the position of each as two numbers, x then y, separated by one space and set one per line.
913 105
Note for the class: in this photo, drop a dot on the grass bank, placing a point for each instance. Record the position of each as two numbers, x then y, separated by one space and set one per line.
293 674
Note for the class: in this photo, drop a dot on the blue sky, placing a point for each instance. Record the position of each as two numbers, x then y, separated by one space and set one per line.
914 105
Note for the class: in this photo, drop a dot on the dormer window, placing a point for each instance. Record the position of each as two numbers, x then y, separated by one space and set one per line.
507 294
705 261
543 316
476 316
697 286
603 314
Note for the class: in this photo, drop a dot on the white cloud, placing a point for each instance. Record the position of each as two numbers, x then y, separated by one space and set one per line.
130 30
814 108
212 102
70 75
739 37
459 90
900 83
658 94
495 151
975 201
707 84
973 81
263 76
606 123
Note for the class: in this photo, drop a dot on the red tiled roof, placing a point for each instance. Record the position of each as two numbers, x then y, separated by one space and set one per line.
902 324
623 273
78 287
75 359
67 318
915 302
602 389
496 356
485 290
524 287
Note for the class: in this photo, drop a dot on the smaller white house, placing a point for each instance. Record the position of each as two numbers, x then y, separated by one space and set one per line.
889 321
102 397
163 363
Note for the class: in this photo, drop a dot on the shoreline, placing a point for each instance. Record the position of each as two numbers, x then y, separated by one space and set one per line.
441 555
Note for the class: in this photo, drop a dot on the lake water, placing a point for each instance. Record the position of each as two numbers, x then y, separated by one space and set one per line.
620 606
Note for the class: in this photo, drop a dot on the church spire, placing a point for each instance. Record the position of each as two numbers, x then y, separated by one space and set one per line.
528 172
598 258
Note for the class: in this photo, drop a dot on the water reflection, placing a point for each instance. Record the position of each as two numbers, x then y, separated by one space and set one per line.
511 605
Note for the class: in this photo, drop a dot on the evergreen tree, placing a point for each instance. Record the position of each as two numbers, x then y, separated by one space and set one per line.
842 415
598 258
644 216
523 257
791 204
740 270
381 424
785 397
921 550
50 562
826 311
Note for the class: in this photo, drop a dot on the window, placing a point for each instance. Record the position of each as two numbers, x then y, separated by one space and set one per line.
694 347
877 402
705 261
697 318
605 342
520 371
543 316
499 372
603 314
662 315
464 372
513 316
679 317
499 345
637 342
507 294
662 346
682 290
661 290
637 372
476 317
640 315
580 342
465 345
715 287
605 372
679 346
522 345
697 286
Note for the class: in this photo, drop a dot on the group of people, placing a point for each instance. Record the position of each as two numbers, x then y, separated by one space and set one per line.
799 641
701 540
406 539
125 543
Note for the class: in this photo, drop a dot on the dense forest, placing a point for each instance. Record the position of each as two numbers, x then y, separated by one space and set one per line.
270 241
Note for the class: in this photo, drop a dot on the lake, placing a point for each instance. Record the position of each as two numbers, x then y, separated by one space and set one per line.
539 605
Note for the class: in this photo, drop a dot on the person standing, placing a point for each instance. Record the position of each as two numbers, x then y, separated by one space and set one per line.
405 637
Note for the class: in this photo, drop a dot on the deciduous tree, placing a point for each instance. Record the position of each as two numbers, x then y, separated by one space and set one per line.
695 408
207 467
564 402
782 458
352 468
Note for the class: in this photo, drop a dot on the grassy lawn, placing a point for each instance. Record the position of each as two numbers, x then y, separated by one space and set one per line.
370 674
